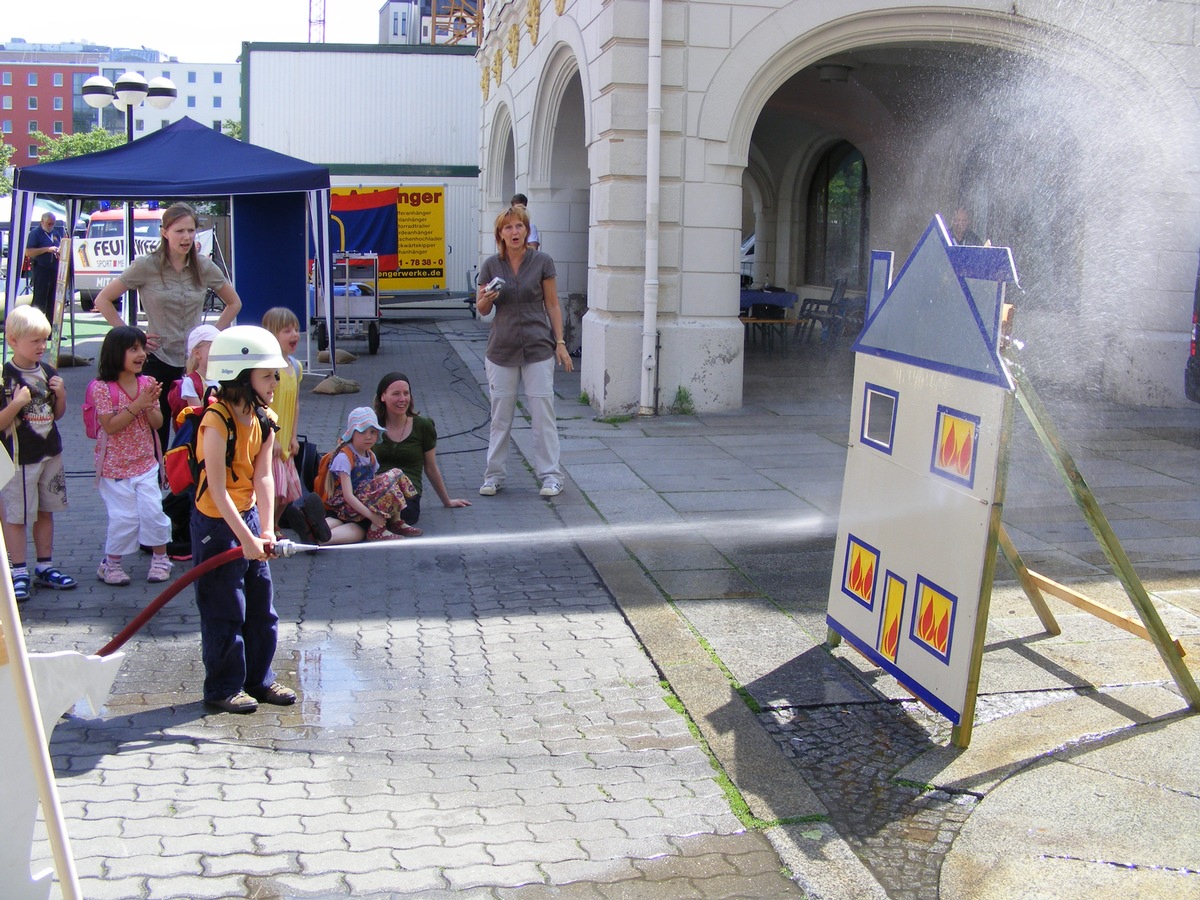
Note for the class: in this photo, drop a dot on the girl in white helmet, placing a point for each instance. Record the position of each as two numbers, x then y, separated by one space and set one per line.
235 494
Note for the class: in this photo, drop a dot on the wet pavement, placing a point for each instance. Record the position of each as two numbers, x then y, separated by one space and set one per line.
495 709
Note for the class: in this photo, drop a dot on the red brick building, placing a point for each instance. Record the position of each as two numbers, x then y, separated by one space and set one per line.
43 97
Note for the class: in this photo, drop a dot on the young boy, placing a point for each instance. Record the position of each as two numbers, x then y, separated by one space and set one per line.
32 400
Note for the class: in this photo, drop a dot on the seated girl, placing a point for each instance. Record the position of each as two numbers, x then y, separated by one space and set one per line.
358 497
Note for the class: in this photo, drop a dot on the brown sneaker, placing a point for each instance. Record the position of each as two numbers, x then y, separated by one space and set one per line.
241 702
276 695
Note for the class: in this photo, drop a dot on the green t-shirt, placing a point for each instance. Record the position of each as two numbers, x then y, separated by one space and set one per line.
409 454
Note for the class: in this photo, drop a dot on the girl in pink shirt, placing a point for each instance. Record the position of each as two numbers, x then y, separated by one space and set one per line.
127 456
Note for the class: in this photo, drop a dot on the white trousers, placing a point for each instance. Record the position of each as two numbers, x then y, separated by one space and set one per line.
538 381
135 513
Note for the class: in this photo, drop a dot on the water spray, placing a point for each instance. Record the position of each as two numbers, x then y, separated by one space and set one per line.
756 530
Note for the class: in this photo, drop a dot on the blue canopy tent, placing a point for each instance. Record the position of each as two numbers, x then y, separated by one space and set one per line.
273 198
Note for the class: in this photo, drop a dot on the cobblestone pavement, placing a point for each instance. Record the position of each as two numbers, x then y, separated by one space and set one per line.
474 716
851 756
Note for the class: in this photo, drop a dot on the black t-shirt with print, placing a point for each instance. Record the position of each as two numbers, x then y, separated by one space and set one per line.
36 431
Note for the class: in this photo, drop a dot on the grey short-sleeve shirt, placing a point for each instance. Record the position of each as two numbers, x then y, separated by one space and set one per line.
173 303
521 331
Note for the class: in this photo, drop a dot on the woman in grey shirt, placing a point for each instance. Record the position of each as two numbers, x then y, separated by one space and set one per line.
171 283
525 341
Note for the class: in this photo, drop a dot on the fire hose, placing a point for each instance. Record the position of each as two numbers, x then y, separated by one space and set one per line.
279 550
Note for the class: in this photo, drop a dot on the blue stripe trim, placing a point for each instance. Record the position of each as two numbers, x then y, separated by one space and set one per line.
892 669
1001 380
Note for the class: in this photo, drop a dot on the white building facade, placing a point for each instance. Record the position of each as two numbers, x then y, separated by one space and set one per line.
209 93
653 137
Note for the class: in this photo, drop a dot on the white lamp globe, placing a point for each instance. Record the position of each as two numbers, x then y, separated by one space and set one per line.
131 88
119 105
161 92
97 92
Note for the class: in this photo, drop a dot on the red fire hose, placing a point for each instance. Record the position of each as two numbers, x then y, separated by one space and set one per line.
166 596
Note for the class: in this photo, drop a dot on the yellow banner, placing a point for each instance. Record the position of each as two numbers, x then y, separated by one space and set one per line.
404 226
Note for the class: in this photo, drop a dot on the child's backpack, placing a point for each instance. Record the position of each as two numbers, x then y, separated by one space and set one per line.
91 421
323 483
181 463
175 401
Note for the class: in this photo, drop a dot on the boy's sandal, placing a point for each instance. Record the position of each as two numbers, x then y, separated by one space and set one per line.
52 578
21 588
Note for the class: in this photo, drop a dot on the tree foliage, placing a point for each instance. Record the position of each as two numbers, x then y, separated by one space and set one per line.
233 129
6 152
68 145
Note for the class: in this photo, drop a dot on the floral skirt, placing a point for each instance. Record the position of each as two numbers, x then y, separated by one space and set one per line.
386 494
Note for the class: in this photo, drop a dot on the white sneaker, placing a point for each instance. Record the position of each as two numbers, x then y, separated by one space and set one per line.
551 487
489 488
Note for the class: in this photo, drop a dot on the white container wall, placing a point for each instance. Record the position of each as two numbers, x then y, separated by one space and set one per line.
364 105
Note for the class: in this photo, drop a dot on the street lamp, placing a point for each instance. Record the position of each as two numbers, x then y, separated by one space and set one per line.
130 91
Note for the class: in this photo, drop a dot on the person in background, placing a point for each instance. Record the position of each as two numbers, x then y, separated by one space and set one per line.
960 228
32 401
171 282
408 442
41 249
525 341
239 628
520 201
127 457
188 390
303 513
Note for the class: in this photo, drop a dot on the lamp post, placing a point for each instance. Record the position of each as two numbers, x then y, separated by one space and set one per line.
130 91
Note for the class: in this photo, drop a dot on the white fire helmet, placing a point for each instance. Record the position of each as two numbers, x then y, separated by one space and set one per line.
242 347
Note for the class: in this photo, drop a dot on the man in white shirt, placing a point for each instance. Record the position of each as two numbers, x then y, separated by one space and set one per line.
520 201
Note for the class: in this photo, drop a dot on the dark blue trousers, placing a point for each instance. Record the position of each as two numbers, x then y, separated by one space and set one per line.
238 624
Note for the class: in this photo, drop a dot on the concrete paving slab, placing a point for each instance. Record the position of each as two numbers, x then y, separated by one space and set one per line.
1006 745
609 476
707 481
776 662
1064 830
704 584
763 501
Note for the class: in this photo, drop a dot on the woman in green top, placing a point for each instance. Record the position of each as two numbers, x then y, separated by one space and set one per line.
408 443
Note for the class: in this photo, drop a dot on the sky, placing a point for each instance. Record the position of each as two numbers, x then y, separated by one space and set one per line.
211 31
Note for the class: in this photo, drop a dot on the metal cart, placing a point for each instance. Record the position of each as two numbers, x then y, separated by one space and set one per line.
355 291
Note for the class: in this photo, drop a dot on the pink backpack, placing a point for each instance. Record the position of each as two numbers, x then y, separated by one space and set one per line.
91 422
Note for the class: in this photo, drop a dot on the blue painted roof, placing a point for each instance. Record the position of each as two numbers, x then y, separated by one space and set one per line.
942 312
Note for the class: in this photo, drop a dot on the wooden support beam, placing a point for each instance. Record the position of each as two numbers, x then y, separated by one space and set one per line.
1107 613
1013 556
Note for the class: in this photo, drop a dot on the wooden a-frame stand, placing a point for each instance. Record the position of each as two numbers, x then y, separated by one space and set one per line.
1034 584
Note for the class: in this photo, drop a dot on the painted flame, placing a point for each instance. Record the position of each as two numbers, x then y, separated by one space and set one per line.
891 639
861 576
956 452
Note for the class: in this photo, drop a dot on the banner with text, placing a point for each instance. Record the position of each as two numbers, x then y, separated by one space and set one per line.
405 226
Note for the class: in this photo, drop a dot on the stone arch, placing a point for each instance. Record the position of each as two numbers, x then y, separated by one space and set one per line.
561 69
1123 117
501 165
740 87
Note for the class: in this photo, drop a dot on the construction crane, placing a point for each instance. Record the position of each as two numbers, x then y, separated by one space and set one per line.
316 21
458 20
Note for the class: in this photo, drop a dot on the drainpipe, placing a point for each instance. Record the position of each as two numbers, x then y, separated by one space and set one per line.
648 405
